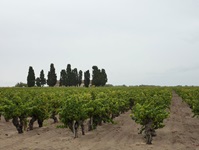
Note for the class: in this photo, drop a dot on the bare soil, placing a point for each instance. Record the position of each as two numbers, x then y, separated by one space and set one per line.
181 132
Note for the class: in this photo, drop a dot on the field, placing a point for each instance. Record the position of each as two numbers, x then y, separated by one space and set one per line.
181 132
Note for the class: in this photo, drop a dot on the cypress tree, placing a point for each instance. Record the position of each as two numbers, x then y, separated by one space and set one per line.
104 78
99 76
86 78
96 76
62 81
80 78
52 77
68 75
31 77
74 77
38 82
42 78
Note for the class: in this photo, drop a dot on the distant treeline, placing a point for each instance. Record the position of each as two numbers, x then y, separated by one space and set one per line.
68 77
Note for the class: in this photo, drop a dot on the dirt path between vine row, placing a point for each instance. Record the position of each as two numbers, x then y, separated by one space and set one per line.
180 133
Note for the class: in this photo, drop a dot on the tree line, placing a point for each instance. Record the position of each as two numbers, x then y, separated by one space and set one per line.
68 77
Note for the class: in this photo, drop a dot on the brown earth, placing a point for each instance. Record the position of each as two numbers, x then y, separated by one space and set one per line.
181 132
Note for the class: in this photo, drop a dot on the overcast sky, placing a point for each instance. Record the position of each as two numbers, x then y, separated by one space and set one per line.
135 41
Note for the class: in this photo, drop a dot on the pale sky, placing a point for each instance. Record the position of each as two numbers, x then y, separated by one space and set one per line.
154 42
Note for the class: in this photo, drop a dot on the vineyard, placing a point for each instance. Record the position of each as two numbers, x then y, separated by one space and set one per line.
191 97
89 109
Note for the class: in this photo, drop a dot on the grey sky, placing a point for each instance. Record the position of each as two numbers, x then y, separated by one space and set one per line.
135 41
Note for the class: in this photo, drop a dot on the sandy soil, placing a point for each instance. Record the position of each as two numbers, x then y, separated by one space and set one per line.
180 133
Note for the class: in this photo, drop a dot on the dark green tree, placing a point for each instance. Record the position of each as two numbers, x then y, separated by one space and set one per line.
52 77
31 77
80 78
68 75
21 84
74 77
62 81
104 78
42 78
99 77
38 82
87 78
96 80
